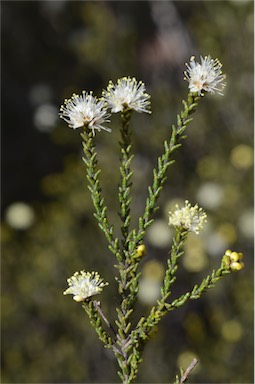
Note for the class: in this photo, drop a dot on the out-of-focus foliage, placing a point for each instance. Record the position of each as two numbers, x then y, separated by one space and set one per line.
51 49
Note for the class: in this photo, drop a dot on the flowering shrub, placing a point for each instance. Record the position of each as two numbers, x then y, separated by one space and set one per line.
126 338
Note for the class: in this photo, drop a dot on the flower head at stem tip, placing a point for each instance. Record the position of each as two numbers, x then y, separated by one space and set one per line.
84 285
189 218
232 260
85 111
127 94
206 76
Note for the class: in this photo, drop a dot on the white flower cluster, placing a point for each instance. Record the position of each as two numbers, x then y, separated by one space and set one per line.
84 285
127 93
85 110
205 76
188 217
88 111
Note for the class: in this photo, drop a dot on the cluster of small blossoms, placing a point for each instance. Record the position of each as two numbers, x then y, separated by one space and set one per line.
206 76
189 218
127 93
84 285
232 260
85 111
89 112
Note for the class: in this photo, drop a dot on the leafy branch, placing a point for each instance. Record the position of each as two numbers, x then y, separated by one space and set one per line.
128 340
90 159
145 326
164 161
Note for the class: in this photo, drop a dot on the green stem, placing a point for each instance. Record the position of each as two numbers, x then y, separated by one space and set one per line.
128 278
164 161
125 174
128 283
172 262
197 290
144 326
94 313
90 159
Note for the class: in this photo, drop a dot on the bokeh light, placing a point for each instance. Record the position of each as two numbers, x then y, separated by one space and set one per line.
20 215
51 49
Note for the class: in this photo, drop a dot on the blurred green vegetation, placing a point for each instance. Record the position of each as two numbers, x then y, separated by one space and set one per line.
51 49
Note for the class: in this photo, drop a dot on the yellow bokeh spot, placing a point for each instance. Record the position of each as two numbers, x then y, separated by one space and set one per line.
208 167
232 331
242 156
153 270
185 358
6 234
195 327
231 195
194 259
228 231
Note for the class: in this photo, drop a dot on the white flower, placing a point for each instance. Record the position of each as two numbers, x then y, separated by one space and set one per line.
206 76
85 110
84 284
127 93
188 217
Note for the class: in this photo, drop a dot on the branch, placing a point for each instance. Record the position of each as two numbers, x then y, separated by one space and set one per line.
188 370
164 161
97 305
90 159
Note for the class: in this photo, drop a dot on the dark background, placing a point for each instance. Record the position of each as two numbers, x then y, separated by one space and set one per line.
51 49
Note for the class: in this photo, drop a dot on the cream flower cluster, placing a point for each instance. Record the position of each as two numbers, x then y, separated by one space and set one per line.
205 76
127 93
84 285
90 112
85 110
189 218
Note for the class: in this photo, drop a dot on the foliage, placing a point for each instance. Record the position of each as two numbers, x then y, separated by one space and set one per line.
66 46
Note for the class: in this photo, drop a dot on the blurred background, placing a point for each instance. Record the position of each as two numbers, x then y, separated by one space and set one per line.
51 49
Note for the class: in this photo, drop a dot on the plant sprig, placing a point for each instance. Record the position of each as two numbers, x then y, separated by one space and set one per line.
164 161
90 159
127 340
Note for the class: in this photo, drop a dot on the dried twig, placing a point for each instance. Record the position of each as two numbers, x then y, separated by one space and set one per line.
188 370
97 305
